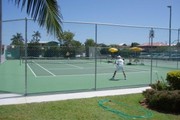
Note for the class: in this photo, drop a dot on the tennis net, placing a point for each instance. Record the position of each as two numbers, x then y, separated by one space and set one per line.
59 60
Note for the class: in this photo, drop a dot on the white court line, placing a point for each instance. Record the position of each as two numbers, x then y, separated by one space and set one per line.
93 74
63 68
74 66
45 69
78 75
32 70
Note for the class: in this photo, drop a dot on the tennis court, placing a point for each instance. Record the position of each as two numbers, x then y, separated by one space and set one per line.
52 75
72 75
74 67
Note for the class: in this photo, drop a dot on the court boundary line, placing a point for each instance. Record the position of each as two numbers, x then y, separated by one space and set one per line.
102 67
44 69
53 75
32 71
88 74
74 66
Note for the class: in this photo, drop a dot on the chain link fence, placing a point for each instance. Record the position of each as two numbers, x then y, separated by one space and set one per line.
81 59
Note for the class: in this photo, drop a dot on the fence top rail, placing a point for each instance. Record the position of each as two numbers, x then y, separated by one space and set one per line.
120 25
100 23
14 20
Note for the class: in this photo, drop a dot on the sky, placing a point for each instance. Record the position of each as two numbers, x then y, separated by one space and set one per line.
153 13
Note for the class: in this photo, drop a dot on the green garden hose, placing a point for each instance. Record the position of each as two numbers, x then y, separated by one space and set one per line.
146 113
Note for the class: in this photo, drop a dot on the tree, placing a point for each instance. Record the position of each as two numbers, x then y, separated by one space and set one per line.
124 44
76 43
178 44
36 37
89 43
69 46
34 47
66 38
51 49
45 12
17 40
101 45
78 47
134 44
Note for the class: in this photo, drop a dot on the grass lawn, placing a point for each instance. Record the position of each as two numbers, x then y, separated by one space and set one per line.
79 109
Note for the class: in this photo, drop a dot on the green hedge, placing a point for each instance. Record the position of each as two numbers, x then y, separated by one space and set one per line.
173 78
165 96
167 101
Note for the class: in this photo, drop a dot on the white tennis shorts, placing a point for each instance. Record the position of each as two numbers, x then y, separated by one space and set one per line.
119 67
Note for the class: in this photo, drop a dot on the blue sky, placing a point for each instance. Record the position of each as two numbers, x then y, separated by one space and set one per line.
133 12
125 12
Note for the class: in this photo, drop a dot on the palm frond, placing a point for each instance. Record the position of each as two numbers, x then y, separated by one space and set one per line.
45 12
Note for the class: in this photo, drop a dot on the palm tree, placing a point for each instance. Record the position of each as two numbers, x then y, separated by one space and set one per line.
36 37
17 40
18 43
45 12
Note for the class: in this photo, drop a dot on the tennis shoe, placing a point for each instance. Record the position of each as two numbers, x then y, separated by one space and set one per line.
112 78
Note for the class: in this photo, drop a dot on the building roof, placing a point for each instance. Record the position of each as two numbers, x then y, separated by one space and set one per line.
154 44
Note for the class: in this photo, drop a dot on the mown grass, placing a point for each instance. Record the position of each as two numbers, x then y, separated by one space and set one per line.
78 109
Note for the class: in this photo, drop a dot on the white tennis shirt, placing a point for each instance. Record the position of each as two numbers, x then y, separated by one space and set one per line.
120 62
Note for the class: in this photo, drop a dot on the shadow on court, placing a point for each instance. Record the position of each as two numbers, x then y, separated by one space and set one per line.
116 79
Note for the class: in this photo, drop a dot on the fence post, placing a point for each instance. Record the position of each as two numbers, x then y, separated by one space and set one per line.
95 56
178 47
0 30
25 57
151 36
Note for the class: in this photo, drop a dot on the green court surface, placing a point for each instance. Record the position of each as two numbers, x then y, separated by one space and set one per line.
73 76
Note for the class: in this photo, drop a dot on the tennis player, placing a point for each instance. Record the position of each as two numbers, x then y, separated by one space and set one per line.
119 63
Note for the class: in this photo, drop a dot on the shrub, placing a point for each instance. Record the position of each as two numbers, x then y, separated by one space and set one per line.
167 101
148 94
173 78
165 96
160 84
136 60
129 63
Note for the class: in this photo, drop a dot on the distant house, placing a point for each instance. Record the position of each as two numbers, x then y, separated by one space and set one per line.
49 43
147 46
